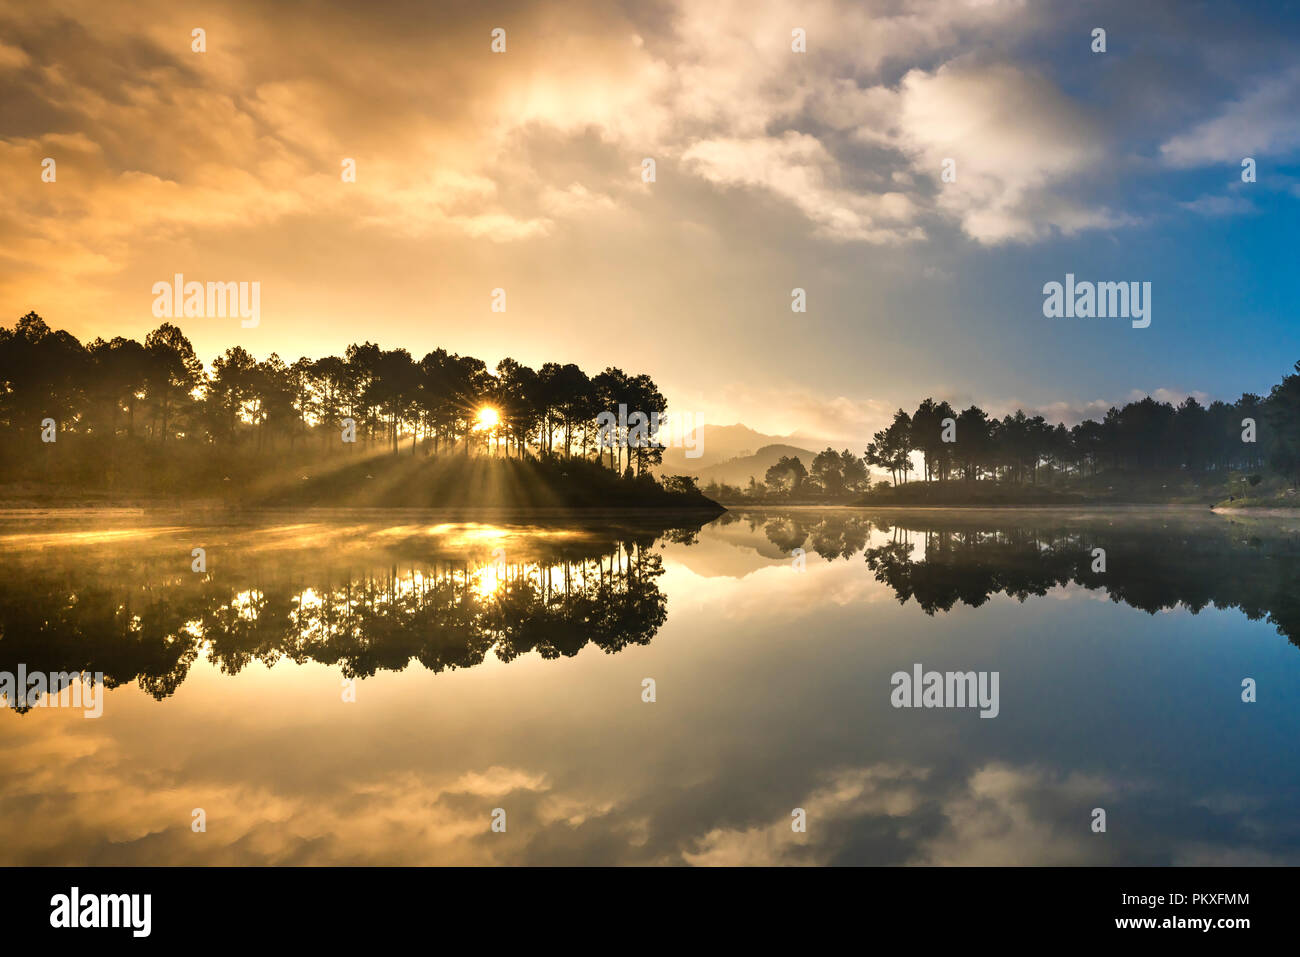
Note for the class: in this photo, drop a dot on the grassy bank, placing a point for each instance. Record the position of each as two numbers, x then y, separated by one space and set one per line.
1228 489
1271 502
376 480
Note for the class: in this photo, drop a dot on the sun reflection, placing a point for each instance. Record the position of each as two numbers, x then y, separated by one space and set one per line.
488 580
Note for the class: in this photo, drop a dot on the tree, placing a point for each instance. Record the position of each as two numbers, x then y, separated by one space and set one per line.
174 373
516 402
613 388
891 448
120 373
1282 415
974 442
647 399
329 397
828 471
854 471
232 386
788 474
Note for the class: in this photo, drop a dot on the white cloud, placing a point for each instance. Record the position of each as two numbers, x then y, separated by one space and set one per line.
575 200
1219 206
1262 121
1071 413
797 168
891 791
1014 138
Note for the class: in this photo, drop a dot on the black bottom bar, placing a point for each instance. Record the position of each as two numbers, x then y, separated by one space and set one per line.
302 905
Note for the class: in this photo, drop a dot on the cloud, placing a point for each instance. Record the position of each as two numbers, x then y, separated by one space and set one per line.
12 58
1262 121
1016 134
1219 206
851 421
790 409
1005 816
882 790
195 149
1014 138
999 815
1071 413
576 200
797 168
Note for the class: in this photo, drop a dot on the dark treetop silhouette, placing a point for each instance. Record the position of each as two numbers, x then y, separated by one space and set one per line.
1146 439
148 417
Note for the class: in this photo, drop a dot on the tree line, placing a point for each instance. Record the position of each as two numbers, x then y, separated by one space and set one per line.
158 391
1251 433
940 444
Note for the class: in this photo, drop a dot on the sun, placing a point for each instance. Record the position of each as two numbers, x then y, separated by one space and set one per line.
488 418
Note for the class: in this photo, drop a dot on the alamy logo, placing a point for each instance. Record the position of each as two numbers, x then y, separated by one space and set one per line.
946 689
641 431
103 910
45 690
1100 300
196 300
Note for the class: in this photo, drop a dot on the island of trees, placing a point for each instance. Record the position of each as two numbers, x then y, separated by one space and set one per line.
371 427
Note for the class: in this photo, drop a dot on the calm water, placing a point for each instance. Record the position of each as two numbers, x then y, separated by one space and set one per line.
502 666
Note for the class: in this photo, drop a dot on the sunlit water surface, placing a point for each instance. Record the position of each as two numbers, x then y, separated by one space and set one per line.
502 666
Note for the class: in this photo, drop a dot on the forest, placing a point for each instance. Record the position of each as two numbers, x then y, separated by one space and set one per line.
938 445
120 408
127 408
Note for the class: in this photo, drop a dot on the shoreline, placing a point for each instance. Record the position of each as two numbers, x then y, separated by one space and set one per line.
447 513
1097 506
218 509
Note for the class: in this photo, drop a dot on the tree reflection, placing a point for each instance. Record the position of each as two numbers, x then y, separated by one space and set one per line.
1150 565
127 617
832 536
136 612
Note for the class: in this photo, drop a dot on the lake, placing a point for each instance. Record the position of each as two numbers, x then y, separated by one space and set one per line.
386 687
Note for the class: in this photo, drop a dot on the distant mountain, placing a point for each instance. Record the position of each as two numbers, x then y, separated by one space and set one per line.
717 443
722 443
737 471
733 453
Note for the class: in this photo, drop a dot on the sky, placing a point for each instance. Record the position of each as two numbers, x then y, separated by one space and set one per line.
821 170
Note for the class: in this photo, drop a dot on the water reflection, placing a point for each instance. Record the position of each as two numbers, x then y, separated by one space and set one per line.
1153 562
502 666
385 599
